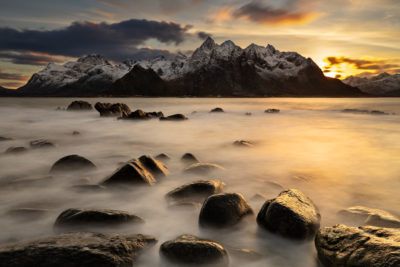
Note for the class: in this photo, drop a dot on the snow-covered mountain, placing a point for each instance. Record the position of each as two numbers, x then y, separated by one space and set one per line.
382 84
212 69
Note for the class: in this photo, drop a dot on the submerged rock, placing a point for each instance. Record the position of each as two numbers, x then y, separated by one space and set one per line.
217 110
223 210
72 163
92 219
364 111
248 114
175 117
76 133
188 250
272 110
203 168
142 115
162 157
76 250
243 143
196 191
345 246
189 158
368 216
291 214
108 109
79 105
3 138
15 150
41 143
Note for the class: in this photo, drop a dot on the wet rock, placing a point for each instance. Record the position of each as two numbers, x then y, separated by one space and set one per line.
91 219
76 250
243 143
345 246
3 138
108 109
364 111
163 157
203 168
368 216
72 163
41 143
133 174
189 158
196 191
142 115
79 105
291 214
27 213
223 210
188 250
16 150
272 110
217 110
155 167
175 117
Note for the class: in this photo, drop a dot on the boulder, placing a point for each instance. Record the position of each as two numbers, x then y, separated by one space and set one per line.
196 191
163 157
93 219
223 210
76 250
3 138
142 115
189 158
217 110
79 105
203 168
175 117
243 143
248 114
76 133
272 110
365 246
108 109
41 143
188 250
15 150
368 216
72 163
291 214
155 167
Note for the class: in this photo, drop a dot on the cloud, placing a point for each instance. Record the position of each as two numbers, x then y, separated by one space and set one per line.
116 41
12 76
30 58
203 35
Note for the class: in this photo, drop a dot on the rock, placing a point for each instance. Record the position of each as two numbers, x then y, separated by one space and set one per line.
217 110
223 210
3 138
292 214
76 250
108 109
155 167
132 173
364 111
203 168
79 105
93 219
142 115
368 216
175 117
364 246
189 158
162 157
187 250
27 213
243 143
41 143
15 150
76 133
196 191
248 114
272 110
72 163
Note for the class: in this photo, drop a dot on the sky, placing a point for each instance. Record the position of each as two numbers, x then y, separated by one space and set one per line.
344 37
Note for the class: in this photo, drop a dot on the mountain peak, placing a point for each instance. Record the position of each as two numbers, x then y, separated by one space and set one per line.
228 43
208 44
271 48
93 59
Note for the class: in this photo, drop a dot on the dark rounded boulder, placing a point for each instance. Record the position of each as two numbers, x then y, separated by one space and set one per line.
163 157
76 250
92 219
142 115
223 210
175 117
272 110
108 109
72 163
196 191
189 158
189 250
291 214
243 143
132 173
79 105
217 110
155 167
41 143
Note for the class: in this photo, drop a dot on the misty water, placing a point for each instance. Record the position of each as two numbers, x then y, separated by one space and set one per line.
338 159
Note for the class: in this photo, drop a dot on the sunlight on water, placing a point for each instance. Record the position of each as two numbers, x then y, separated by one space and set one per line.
338 159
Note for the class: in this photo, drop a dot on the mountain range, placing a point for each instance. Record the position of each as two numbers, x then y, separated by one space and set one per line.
212 70
383 84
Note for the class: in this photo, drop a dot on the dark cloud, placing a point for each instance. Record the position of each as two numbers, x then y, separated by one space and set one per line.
259 12
361 64
12 76
29 58
116 41
203 35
